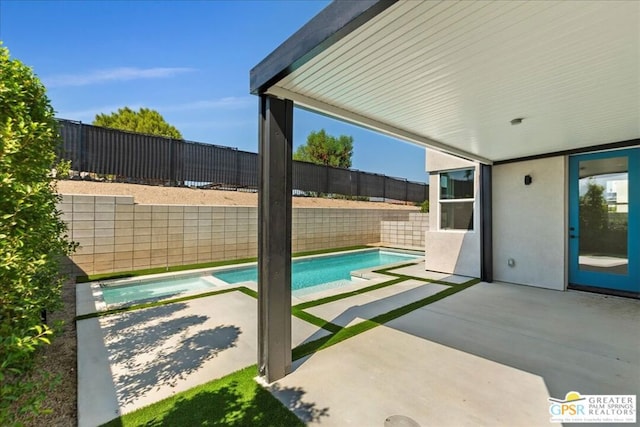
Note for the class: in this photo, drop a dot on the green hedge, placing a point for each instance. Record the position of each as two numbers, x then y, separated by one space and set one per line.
32 236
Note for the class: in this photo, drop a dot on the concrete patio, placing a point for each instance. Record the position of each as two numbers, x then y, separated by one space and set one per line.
491 354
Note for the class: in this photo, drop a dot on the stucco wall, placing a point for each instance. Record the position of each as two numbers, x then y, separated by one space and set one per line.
437 161
115 234
529 223
451 251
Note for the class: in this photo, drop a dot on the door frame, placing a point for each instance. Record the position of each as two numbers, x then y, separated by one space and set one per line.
601 280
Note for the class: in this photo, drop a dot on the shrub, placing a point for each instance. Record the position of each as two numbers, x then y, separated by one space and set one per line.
32 235
424 206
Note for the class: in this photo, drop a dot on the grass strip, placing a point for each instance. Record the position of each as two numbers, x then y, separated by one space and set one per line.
163 302
351 331
401 311
385 270
315 320
307 317
421 279
330 340
248 291
389 272
233 400
325 300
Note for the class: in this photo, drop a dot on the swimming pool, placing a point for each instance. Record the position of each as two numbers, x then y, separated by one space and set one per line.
144 290
314 271
308 274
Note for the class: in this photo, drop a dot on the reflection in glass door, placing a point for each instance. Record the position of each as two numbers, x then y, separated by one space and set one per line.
603 213
604 220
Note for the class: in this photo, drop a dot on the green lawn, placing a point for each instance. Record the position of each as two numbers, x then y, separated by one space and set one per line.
234 400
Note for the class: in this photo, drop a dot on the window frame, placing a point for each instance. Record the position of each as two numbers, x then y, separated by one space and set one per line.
471 200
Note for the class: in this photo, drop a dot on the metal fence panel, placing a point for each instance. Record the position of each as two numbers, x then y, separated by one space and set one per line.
371 184
310 177
144 158
247 173
395 188
340 182
71 143
417 192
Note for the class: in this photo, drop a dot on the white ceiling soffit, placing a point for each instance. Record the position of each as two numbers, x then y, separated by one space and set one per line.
452 75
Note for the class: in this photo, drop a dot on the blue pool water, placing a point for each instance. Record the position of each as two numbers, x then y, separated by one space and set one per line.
306 273
155 289
318 270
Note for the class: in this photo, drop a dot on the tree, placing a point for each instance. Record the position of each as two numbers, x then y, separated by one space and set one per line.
32 235
593 217
593 208
144 121
327 150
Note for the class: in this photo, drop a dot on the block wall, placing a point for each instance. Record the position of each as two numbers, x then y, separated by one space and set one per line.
409 233
115 234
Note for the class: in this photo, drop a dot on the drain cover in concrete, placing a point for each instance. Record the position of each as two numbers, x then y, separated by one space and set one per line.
400 421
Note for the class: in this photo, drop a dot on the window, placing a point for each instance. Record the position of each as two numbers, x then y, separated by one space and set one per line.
456 199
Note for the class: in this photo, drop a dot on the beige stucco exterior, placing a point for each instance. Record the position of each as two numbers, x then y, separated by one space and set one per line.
451 251
529 223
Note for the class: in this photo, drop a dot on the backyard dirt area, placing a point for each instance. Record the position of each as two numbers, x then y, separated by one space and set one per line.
147 194
57 362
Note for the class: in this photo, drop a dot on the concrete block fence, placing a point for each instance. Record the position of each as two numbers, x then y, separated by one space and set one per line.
405 233
116 234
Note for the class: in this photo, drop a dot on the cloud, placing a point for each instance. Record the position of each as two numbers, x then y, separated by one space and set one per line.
113 75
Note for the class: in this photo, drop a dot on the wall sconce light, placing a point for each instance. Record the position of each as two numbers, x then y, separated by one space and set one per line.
528 180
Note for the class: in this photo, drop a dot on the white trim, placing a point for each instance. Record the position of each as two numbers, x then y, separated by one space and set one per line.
471 200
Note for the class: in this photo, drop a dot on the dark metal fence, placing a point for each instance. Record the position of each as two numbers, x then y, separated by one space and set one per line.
133 157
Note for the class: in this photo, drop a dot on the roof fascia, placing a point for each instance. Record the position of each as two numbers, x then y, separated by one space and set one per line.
333 23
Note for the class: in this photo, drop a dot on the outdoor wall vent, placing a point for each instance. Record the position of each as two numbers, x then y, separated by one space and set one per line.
517 121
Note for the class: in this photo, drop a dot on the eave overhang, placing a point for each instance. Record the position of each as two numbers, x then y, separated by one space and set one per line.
452 75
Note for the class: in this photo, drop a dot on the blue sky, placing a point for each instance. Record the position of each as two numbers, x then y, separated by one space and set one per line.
188 60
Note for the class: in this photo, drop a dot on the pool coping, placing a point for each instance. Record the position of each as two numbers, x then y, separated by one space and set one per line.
89 299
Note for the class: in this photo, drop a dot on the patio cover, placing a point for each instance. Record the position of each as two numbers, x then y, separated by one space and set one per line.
450 76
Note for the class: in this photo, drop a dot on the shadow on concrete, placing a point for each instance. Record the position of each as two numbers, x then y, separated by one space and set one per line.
156 347
138 333
370 312
572 340
386 304
291 397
